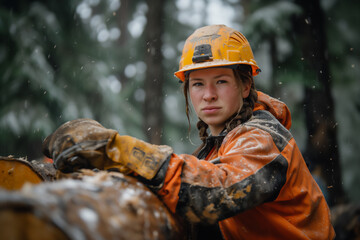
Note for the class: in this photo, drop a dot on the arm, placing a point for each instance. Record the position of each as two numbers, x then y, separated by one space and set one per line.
249 171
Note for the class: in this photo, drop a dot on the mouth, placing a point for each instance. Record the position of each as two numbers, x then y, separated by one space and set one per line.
210 109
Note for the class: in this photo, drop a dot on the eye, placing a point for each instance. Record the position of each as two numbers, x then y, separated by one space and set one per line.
221 81
196 84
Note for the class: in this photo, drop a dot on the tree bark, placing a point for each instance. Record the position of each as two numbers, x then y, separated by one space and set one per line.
86 205
275 89
322 152
123 17
153 114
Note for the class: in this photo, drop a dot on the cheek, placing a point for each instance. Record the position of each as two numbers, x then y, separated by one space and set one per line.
236 103
234 99
193 99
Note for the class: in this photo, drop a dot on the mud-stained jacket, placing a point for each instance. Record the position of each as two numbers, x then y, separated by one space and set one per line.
255 186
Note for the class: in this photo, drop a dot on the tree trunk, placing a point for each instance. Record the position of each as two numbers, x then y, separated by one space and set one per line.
153 115
123 16
85 205
322 152
275 89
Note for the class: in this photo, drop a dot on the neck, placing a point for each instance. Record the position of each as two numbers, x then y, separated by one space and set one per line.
215 131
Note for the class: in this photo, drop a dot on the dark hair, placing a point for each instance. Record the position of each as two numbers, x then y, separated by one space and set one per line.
242 73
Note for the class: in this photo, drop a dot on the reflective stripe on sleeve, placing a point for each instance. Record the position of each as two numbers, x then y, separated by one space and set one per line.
204 204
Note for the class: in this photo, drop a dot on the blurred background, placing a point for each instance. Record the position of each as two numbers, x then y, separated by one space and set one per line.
113 61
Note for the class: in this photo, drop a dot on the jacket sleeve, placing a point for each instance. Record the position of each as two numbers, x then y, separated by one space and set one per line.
248 171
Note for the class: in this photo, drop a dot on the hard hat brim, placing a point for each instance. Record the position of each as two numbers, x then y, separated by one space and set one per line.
212 64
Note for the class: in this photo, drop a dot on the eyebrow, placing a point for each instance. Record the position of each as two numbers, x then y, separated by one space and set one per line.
216 77
222 75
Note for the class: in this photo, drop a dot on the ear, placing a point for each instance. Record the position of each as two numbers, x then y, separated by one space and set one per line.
246 89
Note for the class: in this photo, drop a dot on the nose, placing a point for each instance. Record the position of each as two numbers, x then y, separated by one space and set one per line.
210 93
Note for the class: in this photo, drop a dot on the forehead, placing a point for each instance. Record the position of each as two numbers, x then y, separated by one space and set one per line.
211 72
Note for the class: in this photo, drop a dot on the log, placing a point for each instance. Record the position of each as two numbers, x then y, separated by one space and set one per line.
89 205
15 172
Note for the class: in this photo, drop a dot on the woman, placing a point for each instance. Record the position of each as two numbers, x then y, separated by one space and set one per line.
248 180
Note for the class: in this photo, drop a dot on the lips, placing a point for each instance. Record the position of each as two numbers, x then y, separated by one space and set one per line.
210 109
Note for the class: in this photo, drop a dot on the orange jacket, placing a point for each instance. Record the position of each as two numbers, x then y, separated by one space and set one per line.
256 185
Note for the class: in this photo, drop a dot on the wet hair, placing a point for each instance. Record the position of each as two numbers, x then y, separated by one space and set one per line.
242 73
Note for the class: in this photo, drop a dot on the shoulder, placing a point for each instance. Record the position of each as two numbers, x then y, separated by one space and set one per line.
264 127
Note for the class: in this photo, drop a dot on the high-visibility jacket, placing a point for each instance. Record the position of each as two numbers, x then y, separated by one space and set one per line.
256 185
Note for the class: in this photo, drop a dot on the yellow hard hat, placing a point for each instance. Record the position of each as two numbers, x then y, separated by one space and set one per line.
215 46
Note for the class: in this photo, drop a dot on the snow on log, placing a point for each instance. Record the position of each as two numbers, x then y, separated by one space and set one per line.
102 205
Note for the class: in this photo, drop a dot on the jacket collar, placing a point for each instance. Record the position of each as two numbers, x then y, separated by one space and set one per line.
210 143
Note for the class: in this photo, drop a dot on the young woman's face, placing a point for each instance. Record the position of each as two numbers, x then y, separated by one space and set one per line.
216 95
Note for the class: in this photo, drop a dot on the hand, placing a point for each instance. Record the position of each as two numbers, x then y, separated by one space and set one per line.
85 143
79 144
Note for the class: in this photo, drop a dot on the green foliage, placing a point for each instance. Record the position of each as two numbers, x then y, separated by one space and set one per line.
270 19
343 31
54 71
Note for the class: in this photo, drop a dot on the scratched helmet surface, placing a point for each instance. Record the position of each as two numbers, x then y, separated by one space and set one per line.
215 46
